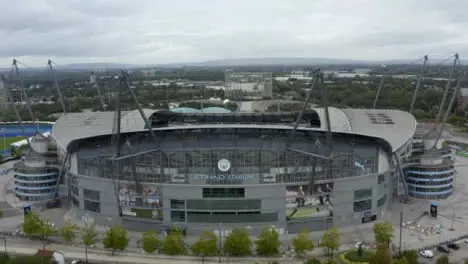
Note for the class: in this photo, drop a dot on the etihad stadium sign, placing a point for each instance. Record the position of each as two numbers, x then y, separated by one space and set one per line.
223 177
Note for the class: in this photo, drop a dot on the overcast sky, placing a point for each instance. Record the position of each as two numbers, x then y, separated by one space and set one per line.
167 31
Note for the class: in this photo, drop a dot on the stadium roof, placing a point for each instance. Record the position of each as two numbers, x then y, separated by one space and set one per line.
394 126
217 110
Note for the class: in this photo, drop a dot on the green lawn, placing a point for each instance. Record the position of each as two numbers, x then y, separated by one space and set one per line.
462 153
352 256
6 143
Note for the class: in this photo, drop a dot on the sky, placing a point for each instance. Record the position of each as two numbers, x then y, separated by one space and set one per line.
174 31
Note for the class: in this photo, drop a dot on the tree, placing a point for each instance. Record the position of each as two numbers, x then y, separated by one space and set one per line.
4 258
443 260
303 243
68 231
207 245
313 261
402 260
331 240
116 239
35 226
174 243
238 243
46 229
32 224
150 241
411 256
383 232
28 260
268 242
382 255
89 237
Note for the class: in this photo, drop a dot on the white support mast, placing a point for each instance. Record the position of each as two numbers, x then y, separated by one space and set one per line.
418 84
59 92
94 82
25 94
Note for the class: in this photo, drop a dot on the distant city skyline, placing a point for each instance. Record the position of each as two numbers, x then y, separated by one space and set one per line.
182 31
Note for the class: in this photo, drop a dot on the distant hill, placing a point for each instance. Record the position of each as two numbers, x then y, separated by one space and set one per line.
231 62
273 61
227 63
285 61
91 66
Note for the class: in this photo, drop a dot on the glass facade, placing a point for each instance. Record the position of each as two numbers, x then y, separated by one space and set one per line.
247 166
221 164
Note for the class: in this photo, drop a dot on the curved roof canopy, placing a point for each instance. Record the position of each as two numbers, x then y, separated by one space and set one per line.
213 110
394 126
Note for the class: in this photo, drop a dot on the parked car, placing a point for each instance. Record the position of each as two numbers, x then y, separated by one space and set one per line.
453 246
443 249
426 254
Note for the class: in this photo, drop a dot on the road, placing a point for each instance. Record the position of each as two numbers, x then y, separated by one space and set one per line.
455 256
18 245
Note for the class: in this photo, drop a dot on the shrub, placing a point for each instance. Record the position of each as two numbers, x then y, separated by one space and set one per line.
443 260
351 257
312 261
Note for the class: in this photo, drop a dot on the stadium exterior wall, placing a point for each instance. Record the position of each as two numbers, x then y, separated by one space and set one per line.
273 200
343 198
356 196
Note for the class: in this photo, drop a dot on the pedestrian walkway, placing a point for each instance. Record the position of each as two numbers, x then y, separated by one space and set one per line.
102 256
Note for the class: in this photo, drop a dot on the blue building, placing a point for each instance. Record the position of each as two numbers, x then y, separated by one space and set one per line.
36 175
430 169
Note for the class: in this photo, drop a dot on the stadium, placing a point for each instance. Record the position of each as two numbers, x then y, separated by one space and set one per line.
209 170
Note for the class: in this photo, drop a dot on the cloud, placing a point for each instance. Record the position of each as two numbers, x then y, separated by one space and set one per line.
161 31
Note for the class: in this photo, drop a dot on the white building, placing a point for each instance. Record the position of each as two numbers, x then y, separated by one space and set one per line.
255 84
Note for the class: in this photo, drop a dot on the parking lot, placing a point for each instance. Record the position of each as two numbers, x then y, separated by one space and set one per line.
455 256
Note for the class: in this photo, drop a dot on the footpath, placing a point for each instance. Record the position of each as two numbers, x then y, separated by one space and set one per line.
97 256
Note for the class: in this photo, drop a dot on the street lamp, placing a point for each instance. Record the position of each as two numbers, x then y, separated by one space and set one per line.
401 227
220 236
5 245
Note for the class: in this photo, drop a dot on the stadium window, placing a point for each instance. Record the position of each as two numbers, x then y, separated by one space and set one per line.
178 216
362 194
362 205
92 206
91 195
178 204
223 192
